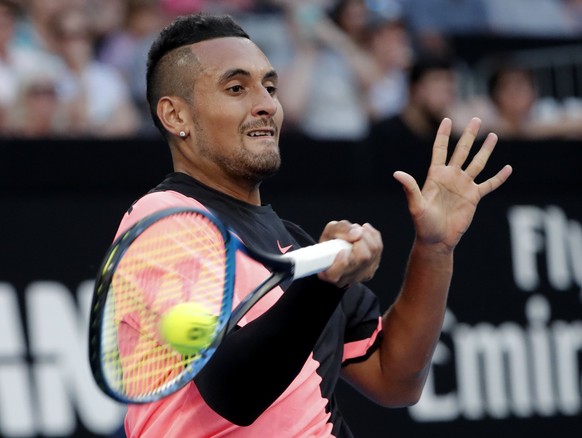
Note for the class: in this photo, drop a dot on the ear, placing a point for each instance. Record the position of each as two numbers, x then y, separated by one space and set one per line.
174 113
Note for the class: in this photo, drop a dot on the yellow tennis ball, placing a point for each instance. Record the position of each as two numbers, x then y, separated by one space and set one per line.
188 327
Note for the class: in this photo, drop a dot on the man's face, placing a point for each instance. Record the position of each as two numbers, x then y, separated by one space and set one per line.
236 114
515 94
437 92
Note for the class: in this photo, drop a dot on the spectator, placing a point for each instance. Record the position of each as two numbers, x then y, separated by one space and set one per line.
432 94
35 31
126 50
514 109
325 90
16 61
37 112
351 16
391 47
107 17
403 141
98 99
143 18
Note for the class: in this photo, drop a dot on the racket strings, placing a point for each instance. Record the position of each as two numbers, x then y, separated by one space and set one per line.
179 259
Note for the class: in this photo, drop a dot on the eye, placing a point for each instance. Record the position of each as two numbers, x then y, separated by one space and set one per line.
271 89
236 89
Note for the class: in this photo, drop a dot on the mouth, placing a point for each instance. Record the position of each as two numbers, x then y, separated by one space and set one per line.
261 133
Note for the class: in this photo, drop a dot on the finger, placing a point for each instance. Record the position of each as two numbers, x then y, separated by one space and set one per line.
496 181
369 248
343 229
359 264
373 239
339 266
465 143
374 234
479 161
411 190
441 143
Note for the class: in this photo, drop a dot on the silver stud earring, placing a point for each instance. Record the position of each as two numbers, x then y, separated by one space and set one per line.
182 134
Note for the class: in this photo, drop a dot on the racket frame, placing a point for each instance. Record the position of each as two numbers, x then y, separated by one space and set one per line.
101 294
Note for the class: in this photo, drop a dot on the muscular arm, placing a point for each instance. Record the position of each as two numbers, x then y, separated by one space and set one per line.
442 212
395 374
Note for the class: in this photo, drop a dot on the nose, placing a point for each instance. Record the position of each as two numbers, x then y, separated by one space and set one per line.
264 104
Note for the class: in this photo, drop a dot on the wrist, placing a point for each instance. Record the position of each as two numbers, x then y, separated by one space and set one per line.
433 249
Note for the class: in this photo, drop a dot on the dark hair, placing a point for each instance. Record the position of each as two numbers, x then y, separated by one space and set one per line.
163 75
13 7
425 64
501 68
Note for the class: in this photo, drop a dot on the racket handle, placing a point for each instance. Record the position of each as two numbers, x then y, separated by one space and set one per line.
316 258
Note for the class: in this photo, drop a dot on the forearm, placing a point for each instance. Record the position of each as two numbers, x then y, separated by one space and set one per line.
254 365
413 323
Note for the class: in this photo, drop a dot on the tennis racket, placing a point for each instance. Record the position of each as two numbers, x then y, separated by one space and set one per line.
175 256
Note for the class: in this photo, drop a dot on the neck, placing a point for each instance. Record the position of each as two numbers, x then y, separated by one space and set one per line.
240 189
419 121
211 174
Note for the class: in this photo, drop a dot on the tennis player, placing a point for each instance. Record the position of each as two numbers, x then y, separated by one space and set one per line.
213 95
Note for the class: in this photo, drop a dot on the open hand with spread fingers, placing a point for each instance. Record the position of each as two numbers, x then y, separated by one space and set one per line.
443 209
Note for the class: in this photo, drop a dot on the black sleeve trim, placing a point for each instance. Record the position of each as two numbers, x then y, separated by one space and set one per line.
371 350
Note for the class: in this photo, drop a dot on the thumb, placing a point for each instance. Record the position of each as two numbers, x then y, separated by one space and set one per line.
410 186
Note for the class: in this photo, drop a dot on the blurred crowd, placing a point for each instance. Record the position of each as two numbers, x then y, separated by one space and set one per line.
348 69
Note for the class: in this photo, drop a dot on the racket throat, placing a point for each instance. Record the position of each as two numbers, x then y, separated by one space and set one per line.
271 282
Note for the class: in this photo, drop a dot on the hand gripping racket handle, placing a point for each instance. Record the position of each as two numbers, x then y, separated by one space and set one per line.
316 258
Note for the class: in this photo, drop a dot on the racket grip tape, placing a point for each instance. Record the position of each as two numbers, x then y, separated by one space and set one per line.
316 258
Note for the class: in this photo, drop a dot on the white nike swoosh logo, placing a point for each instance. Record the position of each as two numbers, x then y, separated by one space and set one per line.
283 249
